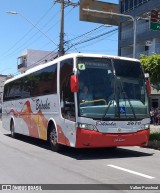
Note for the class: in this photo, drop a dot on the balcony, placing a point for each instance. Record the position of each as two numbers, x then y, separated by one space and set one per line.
22 63
22 66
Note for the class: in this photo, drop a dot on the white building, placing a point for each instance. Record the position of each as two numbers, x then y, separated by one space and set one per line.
30 58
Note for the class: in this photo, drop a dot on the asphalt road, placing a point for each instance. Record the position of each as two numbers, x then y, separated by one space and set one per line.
29 161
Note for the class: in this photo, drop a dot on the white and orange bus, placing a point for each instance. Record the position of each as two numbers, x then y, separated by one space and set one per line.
45 102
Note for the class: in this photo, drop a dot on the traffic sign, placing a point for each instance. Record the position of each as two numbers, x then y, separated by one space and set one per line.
155 20
99 17
155 26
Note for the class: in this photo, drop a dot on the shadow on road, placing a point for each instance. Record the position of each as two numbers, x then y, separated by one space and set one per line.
103 153
87 153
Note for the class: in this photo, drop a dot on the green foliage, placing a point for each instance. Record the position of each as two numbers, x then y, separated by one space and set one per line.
151 65
154 136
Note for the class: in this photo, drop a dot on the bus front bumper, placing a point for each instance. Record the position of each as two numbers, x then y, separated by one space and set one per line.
93 139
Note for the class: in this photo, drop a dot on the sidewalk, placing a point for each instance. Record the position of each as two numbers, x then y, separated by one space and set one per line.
155 128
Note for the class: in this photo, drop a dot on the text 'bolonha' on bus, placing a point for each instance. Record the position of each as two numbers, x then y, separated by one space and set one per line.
47 102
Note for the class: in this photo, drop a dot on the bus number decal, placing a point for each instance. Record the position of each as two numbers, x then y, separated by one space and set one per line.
134 123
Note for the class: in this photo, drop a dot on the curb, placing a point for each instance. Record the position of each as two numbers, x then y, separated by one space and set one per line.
154 144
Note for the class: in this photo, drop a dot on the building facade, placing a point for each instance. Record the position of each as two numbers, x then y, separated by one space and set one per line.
147 40
30 58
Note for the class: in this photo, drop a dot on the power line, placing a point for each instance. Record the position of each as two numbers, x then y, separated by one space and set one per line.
22 38
86 33
98 40
82 41
78 43
42 59
28 41
95 37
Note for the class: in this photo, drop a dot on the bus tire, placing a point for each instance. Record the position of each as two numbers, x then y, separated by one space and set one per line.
52 138
12 129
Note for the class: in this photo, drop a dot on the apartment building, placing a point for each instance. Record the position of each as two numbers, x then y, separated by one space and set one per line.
147 40
30 58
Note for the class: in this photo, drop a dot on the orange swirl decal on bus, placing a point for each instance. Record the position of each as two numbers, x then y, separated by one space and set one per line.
36 122
61 136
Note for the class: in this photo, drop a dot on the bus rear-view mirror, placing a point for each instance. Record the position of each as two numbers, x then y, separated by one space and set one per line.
148 86
74 83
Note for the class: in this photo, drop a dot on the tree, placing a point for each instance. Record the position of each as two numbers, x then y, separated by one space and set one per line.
151 65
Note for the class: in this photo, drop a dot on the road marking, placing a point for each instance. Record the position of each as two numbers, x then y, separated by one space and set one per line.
130 171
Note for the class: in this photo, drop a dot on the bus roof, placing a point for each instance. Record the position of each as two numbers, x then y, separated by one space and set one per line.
73 55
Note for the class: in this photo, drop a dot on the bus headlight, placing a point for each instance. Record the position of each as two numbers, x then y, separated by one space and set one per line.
146 126
87 126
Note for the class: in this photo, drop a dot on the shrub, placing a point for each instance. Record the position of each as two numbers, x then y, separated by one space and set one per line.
154 136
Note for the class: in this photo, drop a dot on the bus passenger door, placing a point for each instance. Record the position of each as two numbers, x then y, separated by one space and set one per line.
68 113
67 103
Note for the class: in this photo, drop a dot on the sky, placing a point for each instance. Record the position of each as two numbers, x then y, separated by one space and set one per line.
18 34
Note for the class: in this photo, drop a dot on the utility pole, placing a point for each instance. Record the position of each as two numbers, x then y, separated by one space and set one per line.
63 3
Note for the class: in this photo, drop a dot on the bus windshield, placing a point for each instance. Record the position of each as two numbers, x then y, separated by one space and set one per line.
111 89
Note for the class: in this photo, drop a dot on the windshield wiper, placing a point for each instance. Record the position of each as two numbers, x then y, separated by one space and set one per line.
106 111
126 96
115 99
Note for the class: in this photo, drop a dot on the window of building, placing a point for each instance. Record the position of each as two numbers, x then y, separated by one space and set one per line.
130 4
122 6
127 5
135 3
146 48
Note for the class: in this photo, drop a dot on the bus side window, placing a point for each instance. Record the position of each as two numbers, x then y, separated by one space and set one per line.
66 96
26 87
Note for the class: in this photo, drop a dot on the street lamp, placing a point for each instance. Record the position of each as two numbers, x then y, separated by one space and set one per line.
118 14
15 13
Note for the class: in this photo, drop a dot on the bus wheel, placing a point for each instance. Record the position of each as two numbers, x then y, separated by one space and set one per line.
13 134
52 138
